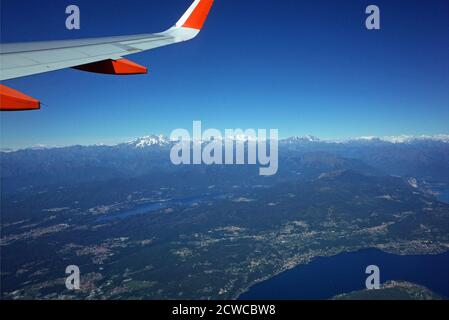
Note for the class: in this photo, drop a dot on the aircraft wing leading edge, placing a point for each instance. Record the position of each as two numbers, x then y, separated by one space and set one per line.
100 55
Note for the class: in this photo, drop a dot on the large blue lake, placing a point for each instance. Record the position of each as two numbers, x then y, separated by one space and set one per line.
326 277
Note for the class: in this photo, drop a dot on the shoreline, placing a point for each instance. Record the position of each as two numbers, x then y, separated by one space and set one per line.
354 250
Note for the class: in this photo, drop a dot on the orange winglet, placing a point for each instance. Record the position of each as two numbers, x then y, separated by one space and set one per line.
198 17
13 100
117 67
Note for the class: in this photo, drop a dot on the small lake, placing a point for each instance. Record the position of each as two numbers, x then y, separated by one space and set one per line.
158 205
326 277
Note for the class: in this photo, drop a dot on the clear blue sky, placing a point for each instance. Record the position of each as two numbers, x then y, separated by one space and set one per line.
302 67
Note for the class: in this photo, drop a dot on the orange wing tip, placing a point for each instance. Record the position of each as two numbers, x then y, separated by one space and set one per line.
117 67
13 100
199 15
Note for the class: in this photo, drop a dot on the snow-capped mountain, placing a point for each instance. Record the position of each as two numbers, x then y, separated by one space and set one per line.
305 139
424 158
149 141
163 141
408 139
403 139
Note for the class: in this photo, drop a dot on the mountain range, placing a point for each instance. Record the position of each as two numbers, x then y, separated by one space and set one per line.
161 140
423 158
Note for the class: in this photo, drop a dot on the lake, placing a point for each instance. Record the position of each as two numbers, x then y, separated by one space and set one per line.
158 205
326 277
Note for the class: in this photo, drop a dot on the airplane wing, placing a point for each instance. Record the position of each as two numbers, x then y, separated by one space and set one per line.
100 55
